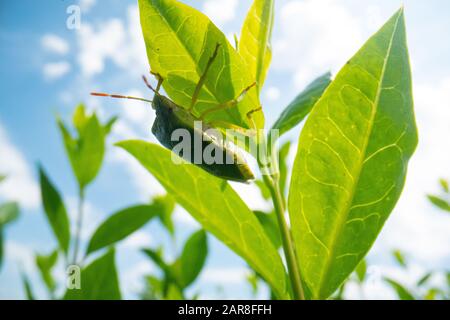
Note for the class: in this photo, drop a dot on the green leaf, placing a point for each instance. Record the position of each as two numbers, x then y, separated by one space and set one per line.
99 281
302 104
45 264
400 258
2 177
27 287
351 160
165 207
55 211
402 292
424 279
9 212
361 270
444 185
254 45
265 192
173 293
270 224
156 257
120 225
439 202
86 151
193 257
283 166
180 40
213 203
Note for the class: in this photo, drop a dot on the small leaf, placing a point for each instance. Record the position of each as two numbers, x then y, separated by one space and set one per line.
86 151
156 257
352 158
302 104
99 281
424 279
400 258
109 125
165 207
402 292
120 225
55 211
174 293
439 202
193 257
9 212
254 44
27 287
45 264
270 224
2 178
361 270
432 294
444 185
179 41
219 209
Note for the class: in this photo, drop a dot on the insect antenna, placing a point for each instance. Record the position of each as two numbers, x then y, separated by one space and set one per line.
118 96
156 91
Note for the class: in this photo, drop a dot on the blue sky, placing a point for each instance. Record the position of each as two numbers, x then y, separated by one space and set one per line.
46 69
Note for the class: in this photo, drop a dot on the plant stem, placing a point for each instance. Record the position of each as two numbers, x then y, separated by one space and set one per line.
79 224
288 245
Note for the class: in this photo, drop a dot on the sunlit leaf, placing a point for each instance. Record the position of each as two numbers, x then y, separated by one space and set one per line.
283 165
55 211
265 192
361 270
444 185
352 159
270 224
213 203
45 264
9 212
180 40
402 292
439 202
254 45
302 104
86 150
400 258
121 224
424 279
29 295
193 257
165 207
99 281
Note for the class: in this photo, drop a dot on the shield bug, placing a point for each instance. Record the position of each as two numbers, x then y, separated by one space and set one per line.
171 116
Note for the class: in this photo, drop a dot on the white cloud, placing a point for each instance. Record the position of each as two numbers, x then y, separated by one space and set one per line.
139 239
314 36
219 11
92 217
20 184
55 44
86 5
22 256
113 40
181 216
132 279
273 93
55 70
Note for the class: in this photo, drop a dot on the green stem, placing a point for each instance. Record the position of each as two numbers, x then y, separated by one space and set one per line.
79 224
288 245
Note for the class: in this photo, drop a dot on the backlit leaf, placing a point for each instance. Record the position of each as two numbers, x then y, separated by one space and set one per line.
352 159
439 202
45 264
180 40
254 45
55 211
302 104
402 292
193 257
213 203
121 224
99 281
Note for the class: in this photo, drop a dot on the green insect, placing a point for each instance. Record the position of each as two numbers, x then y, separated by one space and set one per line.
170 117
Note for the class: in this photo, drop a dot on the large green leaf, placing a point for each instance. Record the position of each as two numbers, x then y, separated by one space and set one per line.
45 264
180 40
99 281
213 203
85 151
361 270
352 158
270 224
120 225
439 202
55 211
302 104
254 45
193 257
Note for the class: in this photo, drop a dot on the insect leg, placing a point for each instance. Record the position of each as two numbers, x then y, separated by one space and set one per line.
159 78
228 104
203 77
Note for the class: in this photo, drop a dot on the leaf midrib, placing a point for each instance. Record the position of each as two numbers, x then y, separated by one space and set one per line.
345 212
